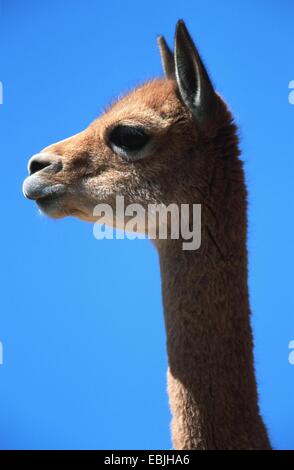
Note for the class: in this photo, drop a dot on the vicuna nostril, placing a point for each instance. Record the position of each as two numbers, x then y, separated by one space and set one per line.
37 166
40 162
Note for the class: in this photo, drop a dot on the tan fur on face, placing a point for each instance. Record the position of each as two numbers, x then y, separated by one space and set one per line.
94 174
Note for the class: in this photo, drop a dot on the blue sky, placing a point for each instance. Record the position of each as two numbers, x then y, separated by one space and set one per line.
81 320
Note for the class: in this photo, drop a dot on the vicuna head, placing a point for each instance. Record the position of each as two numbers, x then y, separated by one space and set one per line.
156 145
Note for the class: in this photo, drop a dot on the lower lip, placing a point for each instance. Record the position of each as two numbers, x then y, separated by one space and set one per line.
47 200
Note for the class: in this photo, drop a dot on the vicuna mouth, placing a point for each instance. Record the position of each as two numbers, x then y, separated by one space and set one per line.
39 190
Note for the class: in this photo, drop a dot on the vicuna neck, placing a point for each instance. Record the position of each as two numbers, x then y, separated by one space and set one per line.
211 380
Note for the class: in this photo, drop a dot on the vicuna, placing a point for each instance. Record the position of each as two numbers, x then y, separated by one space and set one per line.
173 140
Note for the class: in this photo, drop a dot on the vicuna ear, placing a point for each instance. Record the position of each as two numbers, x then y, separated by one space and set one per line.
192 78
167 58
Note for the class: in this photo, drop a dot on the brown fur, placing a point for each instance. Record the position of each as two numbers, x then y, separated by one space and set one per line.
211 380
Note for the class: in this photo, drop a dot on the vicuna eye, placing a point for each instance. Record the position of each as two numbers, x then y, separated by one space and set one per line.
128 138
